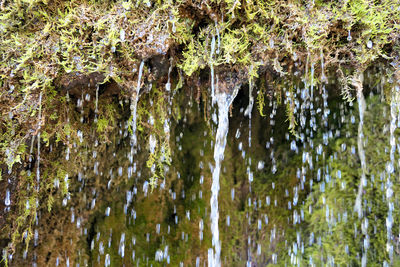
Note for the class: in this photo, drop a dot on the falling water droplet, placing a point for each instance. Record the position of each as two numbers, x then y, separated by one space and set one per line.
349 36
369 44
7 200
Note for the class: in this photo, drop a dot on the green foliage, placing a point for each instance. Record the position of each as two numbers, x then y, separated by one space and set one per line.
102 124
290 107
159 133
261 102
192 60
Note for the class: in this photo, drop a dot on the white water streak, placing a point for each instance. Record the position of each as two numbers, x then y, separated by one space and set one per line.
394 113
134 102
38 141
251 103
212 70
224 101
361 151
249 110
97 99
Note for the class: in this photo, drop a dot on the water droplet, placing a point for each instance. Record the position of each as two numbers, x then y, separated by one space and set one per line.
7 200
369 44
122 35
349 36
260 165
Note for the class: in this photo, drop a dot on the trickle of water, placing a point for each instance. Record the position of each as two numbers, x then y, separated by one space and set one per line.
224 101
96 110
7 200
212 70
38 141
218 38
394 113
133 107
121 249
107 261
361 151
349 36
323 77
168 84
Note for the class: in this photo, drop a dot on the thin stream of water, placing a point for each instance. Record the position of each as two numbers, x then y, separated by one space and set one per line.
390 167
361 151
223 101
212 70
133 107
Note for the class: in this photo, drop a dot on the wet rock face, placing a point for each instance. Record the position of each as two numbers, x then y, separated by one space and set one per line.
78 85
200 10
159 65
73 81
151 39
152 44
229 79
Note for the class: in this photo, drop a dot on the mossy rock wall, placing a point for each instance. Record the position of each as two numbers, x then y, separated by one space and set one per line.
71 68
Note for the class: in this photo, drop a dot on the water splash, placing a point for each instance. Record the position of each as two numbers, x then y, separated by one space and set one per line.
224 101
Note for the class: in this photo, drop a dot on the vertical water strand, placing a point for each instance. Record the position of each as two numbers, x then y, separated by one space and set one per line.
360 144
212 70
68 136
249 172
214 253
38 166
312 83
134 101
38 141
394 110
323 76
96 111
218 38
168 84
248 112
305 97
223 101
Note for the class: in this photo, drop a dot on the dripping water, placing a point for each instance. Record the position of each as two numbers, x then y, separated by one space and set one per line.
134 102
394 112
223 101
361 151
212 70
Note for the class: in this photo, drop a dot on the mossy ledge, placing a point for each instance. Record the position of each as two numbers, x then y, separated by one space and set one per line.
55 53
